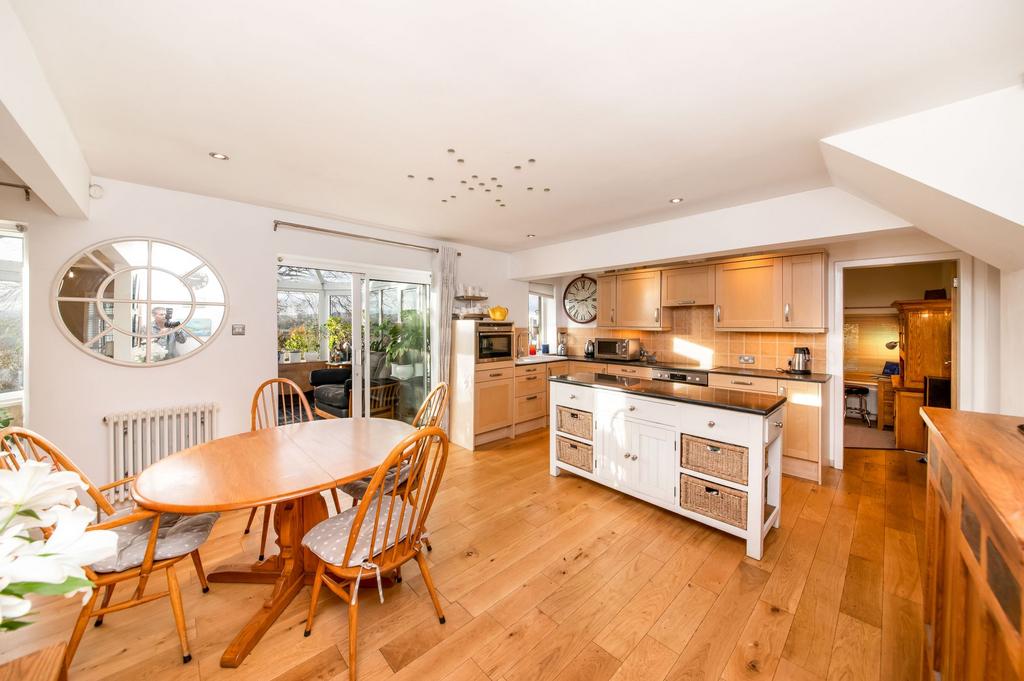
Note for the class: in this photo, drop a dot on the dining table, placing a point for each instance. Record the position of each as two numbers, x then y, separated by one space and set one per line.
288 466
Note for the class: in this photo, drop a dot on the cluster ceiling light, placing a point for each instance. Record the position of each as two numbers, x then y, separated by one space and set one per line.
488 183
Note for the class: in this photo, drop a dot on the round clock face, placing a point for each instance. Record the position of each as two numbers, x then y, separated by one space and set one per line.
580 300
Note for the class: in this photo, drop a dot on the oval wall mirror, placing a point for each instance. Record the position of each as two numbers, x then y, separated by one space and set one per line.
139 302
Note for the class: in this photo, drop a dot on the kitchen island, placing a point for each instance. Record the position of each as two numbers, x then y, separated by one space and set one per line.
709 454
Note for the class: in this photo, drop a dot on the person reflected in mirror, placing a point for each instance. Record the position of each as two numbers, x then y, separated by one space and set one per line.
169 341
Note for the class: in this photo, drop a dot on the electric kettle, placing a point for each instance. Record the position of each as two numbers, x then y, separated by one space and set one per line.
588 351
801 362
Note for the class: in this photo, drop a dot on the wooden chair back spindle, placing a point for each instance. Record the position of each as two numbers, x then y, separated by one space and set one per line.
278 402
433 408
404 506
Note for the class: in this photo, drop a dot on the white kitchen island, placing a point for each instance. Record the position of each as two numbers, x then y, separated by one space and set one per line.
709 454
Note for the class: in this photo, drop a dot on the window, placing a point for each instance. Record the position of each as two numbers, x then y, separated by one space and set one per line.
314 313
541 322
12 356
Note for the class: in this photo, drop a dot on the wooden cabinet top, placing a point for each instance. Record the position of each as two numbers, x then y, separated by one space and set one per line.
990 451
938 305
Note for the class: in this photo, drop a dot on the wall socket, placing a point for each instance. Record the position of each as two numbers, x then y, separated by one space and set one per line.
746 359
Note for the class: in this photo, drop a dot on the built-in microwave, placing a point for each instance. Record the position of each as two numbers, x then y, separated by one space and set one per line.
626 349
495 342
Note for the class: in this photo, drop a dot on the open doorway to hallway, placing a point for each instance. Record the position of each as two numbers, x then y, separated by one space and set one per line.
898 351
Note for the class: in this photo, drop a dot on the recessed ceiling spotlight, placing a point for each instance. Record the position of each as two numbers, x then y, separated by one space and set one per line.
517 167
676 200
532 160
219 156
470 188
498 186
410 176
460 160
444 200
451 151
547 189
487 190
529 189
430 179
473 177
462 182
497 200
494 179
530 236
452 196
501 205
480 184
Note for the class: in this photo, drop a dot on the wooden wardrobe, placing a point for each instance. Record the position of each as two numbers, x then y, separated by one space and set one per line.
925 337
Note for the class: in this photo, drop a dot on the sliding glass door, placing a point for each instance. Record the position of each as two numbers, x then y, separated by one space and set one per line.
357 344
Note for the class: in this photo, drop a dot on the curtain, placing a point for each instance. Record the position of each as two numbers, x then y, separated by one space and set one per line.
445 306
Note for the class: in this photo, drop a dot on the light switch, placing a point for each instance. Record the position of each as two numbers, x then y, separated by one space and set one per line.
238 329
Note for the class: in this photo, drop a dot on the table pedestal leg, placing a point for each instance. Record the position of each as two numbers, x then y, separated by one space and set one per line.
288 571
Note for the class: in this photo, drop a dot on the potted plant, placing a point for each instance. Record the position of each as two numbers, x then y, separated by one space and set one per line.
382 335
405 352
339 336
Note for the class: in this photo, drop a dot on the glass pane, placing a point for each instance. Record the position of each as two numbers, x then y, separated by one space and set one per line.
82 279
205 321
287 274
80 318
11 355
168 287
166 318
168 257
121 254
399 349
126 285
121 346
206 286
298 318
10 248
127 317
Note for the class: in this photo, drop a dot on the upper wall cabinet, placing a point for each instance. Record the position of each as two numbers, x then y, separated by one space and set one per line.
631 300
685 286
748 294
771 293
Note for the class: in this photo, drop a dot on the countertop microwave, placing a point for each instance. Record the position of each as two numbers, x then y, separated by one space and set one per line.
626 349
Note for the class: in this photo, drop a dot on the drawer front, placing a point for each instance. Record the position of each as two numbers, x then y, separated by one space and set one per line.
530 407
531 385
483 375
574 453
773 425
716 424
532 370
574 422
574 396
719 459
633 372
587 367
650 410
714 501
749 383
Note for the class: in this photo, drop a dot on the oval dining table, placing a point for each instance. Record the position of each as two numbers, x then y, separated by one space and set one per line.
288 466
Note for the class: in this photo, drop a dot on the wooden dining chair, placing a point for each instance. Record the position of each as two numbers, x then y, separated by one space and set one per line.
146 541
384 531
278 402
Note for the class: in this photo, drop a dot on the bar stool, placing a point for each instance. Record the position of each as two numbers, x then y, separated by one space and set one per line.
860 393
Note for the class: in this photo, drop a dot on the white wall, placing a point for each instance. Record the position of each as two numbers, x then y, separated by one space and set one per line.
1012 349
801 218
877 287
69 392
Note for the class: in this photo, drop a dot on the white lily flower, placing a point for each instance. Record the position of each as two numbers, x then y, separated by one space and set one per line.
36 488
12 607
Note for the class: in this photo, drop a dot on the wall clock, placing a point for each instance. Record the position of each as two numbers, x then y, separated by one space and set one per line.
580 300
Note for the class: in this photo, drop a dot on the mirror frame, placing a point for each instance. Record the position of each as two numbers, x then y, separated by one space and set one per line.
97 297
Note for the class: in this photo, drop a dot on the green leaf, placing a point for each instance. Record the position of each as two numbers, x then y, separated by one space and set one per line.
11 625
46 589
29 512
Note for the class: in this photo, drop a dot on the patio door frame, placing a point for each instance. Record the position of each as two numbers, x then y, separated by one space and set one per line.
361 274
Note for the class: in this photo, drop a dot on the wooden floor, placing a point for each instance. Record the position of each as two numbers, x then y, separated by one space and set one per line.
559 579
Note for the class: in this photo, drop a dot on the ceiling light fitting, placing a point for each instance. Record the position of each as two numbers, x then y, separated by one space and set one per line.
219 156
675 200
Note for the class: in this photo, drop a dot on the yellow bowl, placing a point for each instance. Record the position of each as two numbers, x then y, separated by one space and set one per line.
498 313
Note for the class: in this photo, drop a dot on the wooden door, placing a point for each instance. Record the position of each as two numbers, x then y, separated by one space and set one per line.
909 426
606 300
492 405
927 349
638 300
654 468
803 285
748 294
688 286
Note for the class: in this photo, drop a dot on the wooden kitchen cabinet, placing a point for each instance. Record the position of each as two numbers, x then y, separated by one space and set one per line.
803 287
637 300
910 429
925 337
606 291
492 405
748 294
684 286
805 431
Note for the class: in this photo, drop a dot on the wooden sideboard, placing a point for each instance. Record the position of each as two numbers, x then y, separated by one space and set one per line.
299 372
974 558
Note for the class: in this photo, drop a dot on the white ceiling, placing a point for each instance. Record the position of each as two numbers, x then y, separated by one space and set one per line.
325 107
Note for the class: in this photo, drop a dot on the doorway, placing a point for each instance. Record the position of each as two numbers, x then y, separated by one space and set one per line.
356 343
899 339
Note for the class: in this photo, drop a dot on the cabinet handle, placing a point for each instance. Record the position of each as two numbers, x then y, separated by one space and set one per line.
633 457
632 408
742 382
711 490
613 315
532 397
713 449
626 455
711 424
657 315
531 378
571 396
574 416
785 312
685 302
573 447
498 375
778 424
718 313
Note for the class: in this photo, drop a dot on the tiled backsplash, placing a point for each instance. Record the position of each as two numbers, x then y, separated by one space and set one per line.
693 339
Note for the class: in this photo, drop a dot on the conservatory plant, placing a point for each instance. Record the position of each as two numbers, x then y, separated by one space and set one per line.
43 539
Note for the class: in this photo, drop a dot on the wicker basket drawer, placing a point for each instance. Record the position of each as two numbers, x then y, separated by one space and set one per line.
575 422
574 453
713 501
721 460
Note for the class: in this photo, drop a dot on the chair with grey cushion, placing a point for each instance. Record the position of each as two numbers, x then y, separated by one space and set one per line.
146 541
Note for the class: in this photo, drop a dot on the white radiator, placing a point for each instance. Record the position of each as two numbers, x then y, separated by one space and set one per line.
137 439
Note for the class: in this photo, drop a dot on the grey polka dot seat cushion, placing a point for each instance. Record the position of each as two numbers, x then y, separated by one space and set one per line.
329 538
178 535
357 488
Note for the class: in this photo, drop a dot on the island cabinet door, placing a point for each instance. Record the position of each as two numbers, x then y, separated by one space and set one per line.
614 465
653 457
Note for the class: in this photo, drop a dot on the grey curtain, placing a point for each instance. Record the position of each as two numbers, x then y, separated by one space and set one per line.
445 304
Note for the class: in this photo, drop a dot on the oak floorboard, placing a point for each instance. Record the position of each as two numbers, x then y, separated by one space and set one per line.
560 578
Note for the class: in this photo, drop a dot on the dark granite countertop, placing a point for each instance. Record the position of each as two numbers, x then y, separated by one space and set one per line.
761 404
771 373
637 363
